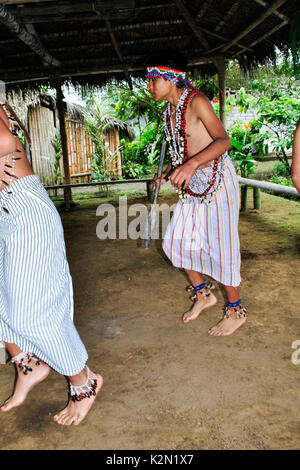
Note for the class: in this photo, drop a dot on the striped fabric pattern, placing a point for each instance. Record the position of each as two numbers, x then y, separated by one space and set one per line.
36 293
204 237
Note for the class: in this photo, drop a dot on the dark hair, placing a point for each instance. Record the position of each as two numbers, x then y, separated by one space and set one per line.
168 58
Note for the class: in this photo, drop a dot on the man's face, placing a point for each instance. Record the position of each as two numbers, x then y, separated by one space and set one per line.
159 88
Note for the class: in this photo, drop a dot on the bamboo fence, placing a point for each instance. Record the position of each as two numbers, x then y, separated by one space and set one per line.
42 126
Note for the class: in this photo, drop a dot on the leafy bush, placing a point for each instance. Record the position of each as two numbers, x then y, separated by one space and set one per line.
281 180
280 170
144 151
241 153
133 170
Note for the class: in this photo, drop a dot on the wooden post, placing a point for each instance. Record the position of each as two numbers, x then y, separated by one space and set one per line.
150 190
244 188
256 198
221 67
64 143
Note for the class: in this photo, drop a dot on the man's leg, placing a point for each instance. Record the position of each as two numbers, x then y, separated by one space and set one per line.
84 389
234 317
205 297
36 372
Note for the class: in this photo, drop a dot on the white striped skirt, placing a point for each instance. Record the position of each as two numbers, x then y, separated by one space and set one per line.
36 293
204 237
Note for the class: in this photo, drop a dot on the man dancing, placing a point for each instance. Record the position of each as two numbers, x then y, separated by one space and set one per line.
36 297
202 237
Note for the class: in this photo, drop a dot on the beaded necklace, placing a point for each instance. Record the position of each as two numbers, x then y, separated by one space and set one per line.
178 148
9 167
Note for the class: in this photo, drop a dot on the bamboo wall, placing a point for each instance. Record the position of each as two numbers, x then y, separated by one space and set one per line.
41 125
42 131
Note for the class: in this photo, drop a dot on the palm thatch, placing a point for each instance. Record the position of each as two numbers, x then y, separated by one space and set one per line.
108 122
94 42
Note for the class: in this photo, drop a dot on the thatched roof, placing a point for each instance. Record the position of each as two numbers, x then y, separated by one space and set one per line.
92 42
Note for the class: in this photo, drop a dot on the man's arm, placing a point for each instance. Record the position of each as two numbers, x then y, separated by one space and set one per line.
202 108
296 159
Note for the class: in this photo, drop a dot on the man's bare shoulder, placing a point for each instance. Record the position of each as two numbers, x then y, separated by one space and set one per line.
200 105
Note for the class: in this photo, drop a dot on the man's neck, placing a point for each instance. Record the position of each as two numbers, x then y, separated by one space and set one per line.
174 96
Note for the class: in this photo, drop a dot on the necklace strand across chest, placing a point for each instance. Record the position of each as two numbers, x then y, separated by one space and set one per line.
178 144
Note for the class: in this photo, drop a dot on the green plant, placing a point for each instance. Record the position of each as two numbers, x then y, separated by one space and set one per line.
242 150
97 122
278 107
134 170
56 144
280 170
282 180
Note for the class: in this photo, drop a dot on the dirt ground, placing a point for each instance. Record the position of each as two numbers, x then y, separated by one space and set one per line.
168 385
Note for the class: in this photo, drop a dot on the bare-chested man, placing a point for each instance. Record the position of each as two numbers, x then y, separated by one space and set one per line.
202 237
36 297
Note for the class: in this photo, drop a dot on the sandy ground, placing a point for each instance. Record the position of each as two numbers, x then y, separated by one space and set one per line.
168 385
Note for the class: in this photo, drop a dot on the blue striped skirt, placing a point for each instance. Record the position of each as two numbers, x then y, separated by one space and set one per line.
204 237
36 293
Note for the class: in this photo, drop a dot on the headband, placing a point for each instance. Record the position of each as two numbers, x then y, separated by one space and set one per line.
172 75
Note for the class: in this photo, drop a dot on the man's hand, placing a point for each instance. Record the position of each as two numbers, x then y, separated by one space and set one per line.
162 180
181 177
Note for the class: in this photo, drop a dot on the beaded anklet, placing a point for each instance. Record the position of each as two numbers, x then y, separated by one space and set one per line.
91 389
241 311
19 359
203 289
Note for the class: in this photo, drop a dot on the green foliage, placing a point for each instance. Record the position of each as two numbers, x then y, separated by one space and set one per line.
138 155
241 153
56 144
277 101
131 105
134 170
282 180
280 170
96 123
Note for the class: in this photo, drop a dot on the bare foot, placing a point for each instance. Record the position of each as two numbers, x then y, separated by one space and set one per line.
75 412
25 383
228 324
200 304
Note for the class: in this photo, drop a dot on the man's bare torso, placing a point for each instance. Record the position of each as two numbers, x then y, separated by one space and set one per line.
197 135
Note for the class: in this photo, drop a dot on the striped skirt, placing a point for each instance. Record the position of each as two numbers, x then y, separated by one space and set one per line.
36 294
204 237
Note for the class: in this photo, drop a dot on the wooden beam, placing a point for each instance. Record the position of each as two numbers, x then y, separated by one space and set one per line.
261 38
115 9
119 54
77 11
130 27
221 67
115 45
64 142
95 70
227 16
80 49
190 21
204 7
16 2
276 12
254 24
15 28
